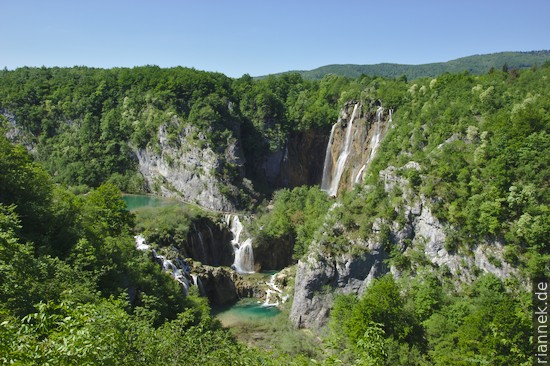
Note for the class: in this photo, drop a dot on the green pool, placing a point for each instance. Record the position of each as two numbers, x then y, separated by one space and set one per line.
135 201
245 311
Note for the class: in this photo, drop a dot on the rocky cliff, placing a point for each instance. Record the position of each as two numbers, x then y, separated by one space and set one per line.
209 242
299 162
189 168
418 236
319 279
275 254
222 285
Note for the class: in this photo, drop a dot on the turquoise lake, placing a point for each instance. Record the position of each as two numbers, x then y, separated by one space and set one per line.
245 311
136 201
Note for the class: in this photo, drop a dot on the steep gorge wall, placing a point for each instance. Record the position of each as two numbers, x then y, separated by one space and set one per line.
209 243
320 276
299 162
189 169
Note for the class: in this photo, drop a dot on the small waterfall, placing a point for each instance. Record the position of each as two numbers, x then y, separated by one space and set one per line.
140 243
244 256
202 248
359 175
177 268
379 113
210 232
177 272
375 141
197 282
342 158
274 290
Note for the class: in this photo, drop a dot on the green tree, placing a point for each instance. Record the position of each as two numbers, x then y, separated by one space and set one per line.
107 211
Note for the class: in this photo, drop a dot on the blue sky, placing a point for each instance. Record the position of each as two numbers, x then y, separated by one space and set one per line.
263 36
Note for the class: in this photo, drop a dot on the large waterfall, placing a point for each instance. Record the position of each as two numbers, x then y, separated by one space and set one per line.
244 256
331 177
374 142
327 165
353 143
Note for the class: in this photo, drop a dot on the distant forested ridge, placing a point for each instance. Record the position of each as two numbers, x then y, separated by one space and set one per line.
476 64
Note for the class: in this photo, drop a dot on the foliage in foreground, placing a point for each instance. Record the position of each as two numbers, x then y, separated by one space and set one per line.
425 323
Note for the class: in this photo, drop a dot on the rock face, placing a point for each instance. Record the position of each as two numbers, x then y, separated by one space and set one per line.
318 278
16 134
426 234
187 168
298 163
209 243
275 256
301 164
222 285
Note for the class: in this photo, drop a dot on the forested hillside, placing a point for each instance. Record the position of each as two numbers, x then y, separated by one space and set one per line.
425 258
87 126
478 64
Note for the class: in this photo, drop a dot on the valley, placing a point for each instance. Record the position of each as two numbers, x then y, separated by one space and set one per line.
279 220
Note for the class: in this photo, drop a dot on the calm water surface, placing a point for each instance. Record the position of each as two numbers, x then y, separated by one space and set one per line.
244 311
135 201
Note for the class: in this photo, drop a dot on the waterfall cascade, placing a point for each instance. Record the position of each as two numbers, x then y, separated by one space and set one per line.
197 282
201 242
244 255
275 291
140 243
353 146
332 180
374 142
177 268
327 165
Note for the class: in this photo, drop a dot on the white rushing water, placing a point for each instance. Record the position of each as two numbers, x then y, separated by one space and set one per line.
177 268
327 165
177 271
274 291
197 282
244 255
374 142
379 113
140 243
201 241
330 185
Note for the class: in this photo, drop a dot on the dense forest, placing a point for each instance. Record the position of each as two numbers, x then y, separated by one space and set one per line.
73 289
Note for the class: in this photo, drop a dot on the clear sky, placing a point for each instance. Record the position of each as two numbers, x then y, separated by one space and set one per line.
264 36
